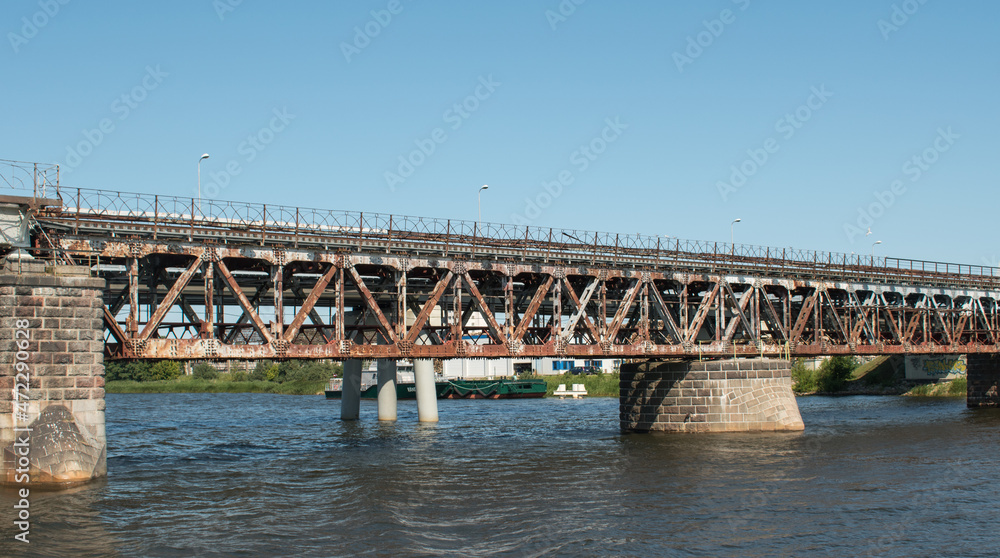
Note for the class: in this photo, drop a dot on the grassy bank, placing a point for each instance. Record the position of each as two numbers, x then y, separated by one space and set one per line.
953 388
598 385
883 375
187 384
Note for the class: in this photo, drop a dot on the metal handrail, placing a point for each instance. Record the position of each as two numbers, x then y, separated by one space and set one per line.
40 178
394 230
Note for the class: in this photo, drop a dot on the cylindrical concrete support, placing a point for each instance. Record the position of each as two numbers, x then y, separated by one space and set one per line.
386 389
350 395
427 404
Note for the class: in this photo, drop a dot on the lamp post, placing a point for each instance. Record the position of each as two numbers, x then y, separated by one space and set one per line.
732 244
203 157
873 248
480 198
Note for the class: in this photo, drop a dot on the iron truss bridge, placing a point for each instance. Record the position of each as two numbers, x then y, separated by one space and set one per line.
226 280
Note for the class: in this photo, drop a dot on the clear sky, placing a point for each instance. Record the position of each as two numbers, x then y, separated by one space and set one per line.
810 121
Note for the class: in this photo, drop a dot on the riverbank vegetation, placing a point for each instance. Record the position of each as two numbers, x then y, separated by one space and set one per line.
290 377
598 385
883 375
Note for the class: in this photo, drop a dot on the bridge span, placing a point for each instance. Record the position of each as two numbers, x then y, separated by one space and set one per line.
228 280
706 330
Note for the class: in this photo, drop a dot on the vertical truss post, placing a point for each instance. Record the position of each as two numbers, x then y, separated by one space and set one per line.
401 308
208 329
263 225
508 295
644 318
339 334
557 310
278 278
457 330
603 330
76 221
388 243
684 312
132 324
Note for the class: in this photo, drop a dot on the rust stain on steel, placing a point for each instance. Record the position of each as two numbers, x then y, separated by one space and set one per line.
675 303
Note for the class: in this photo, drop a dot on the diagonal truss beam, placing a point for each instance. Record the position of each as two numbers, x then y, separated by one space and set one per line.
739 307
701 314
429 306
623 309
309 304
581 309
664 312
248 310
169 298
533 306
496 332
384 326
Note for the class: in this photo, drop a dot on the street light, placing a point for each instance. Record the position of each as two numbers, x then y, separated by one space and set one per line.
203 157
873 247
480 197
731 225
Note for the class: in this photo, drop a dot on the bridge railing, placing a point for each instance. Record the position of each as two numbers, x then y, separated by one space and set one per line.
385 230
41 179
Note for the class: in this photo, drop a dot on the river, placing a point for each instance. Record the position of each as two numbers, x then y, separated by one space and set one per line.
274 475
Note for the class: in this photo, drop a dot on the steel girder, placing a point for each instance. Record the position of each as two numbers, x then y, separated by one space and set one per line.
188 300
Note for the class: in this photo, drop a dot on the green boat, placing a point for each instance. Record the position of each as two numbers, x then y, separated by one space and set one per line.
454 389
494 389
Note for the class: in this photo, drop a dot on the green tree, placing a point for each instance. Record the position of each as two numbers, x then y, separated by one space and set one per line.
164 370
803 379
834 373
205 371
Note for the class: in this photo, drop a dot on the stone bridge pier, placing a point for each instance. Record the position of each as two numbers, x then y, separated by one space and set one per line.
731 395
983 376
52 379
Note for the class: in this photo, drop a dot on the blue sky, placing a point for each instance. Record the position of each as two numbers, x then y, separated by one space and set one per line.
646 110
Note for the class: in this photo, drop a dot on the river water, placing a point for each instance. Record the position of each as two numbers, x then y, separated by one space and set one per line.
273 475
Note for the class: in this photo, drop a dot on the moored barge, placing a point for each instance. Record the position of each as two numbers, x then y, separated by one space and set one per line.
454 389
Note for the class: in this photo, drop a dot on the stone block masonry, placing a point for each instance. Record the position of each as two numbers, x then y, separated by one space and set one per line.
51 333
983 376
734 395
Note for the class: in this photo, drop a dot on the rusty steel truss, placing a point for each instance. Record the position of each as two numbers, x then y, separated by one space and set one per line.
226 280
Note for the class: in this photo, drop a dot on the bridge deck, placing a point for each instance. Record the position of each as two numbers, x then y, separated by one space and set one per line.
334 284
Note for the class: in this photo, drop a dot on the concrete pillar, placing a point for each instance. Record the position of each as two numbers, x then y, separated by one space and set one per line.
731 395
427 404
350 395
983 377
386 389
51 376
